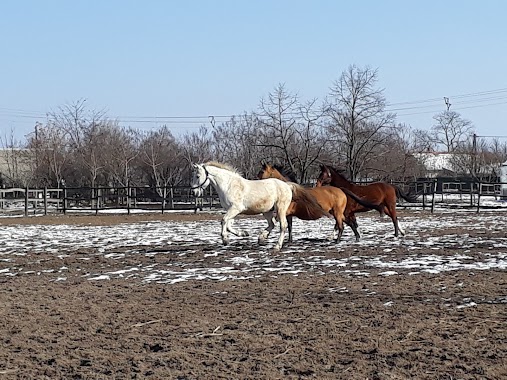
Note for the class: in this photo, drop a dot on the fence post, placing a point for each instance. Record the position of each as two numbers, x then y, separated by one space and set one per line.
128 198
99 193
479 197
171 194
26 201
434 190
45 195
423 194
64 200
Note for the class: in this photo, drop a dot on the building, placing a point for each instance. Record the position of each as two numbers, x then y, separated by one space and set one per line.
15 168
437 164
503 181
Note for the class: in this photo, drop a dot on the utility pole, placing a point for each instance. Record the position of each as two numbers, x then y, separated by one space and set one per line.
448 105
474 155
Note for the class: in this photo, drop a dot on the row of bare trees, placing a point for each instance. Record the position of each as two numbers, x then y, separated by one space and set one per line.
351 129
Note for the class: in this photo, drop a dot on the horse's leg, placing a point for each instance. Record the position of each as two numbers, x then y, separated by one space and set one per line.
338 227
335 229
350 220
271 224
235 231
391 211
229 215
289 227
282 219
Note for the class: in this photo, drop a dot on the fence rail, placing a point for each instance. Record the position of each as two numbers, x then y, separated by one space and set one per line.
27 201
95 199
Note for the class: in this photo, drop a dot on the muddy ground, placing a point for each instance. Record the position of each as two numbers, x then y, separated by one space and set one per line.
316 325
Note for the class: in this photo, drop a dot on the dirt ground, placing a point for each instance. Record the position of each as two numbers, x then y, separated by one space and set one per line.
272 327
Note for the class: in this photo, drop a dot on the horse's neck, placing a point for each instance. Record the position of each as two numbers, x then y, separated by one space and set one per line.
280 176
340 181
221 179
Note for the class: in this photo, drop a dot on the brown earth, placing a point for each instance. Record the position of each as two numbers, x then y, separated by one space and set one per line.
272 327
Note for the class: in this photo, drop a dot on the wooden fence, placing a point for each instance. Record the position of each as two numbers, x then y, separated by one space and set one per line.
94 200
431 194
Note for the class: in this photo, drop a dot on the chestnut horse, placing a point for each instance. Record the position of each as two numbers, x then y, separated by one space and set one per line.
331 199
382 194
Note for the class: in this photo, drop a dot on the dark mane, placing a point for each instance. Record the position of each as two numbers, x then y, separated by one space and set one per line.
338 172
286 172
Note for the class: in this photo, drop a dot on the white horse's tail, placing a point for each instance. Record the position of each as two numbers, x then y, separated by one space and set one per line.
307 202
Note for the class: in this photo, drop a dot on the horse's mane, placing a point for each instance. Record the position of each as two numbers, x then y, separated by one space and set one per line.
338 172
223 166
286 172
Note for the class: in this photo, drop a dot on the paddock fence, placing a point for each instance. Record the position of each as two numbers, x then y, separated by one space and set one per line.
431 195
68 200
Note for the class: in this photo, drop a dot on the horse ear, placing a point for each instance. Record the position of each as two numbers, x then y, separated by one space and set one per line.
263 163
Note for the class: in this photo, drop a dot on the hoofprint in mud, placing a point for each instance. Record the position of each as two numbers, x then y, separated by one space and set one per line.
447 241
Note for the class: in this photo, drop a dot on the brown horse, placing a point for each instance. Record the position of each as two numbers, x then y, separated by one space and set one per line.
331 199
381 194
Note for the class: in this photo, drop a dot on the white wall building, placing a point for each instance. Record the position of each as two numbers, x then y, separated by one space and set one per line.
503 180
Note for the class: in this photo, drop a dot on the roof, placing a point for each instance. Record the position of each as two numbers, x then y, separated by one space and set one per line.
436 161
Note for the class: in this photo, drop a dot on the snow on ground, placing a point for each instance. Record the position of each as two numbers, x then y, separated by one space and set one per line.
193 249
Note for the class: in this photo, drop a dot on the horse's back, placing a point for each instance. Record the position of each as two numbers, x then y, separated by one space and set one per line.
265 194
376 191
329 196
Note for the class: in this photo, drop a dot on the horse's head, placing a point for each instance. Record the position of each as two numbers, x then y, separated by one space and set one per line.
267 171
199 179
324 176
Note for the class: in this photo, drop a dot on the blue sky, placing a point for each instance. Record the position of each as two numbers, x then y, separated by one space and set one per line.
139 59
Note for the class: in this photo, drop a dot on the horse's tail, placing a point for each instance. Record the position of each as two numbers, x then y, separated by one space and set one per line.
412 198
362 201
305 200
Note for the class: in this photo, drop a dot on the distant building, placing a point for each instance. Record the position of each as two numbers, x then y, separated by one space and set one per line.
503 180
444 164
437 164
15 168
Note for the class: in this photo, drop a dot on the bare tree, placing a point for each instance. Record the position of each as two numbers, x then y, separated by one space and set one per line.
121 145
53 153
358 120
480 160
235 143
161 158
310 140
277 121
289 132
198 146
450 129
397 161
422 141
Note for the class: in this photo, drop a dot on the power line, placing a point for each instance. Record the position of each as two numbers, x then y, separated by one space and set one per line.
481 93
474 99
493 137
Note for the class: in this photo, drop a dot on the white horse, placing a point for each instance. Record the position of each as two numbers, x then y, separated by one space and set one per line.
242 196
